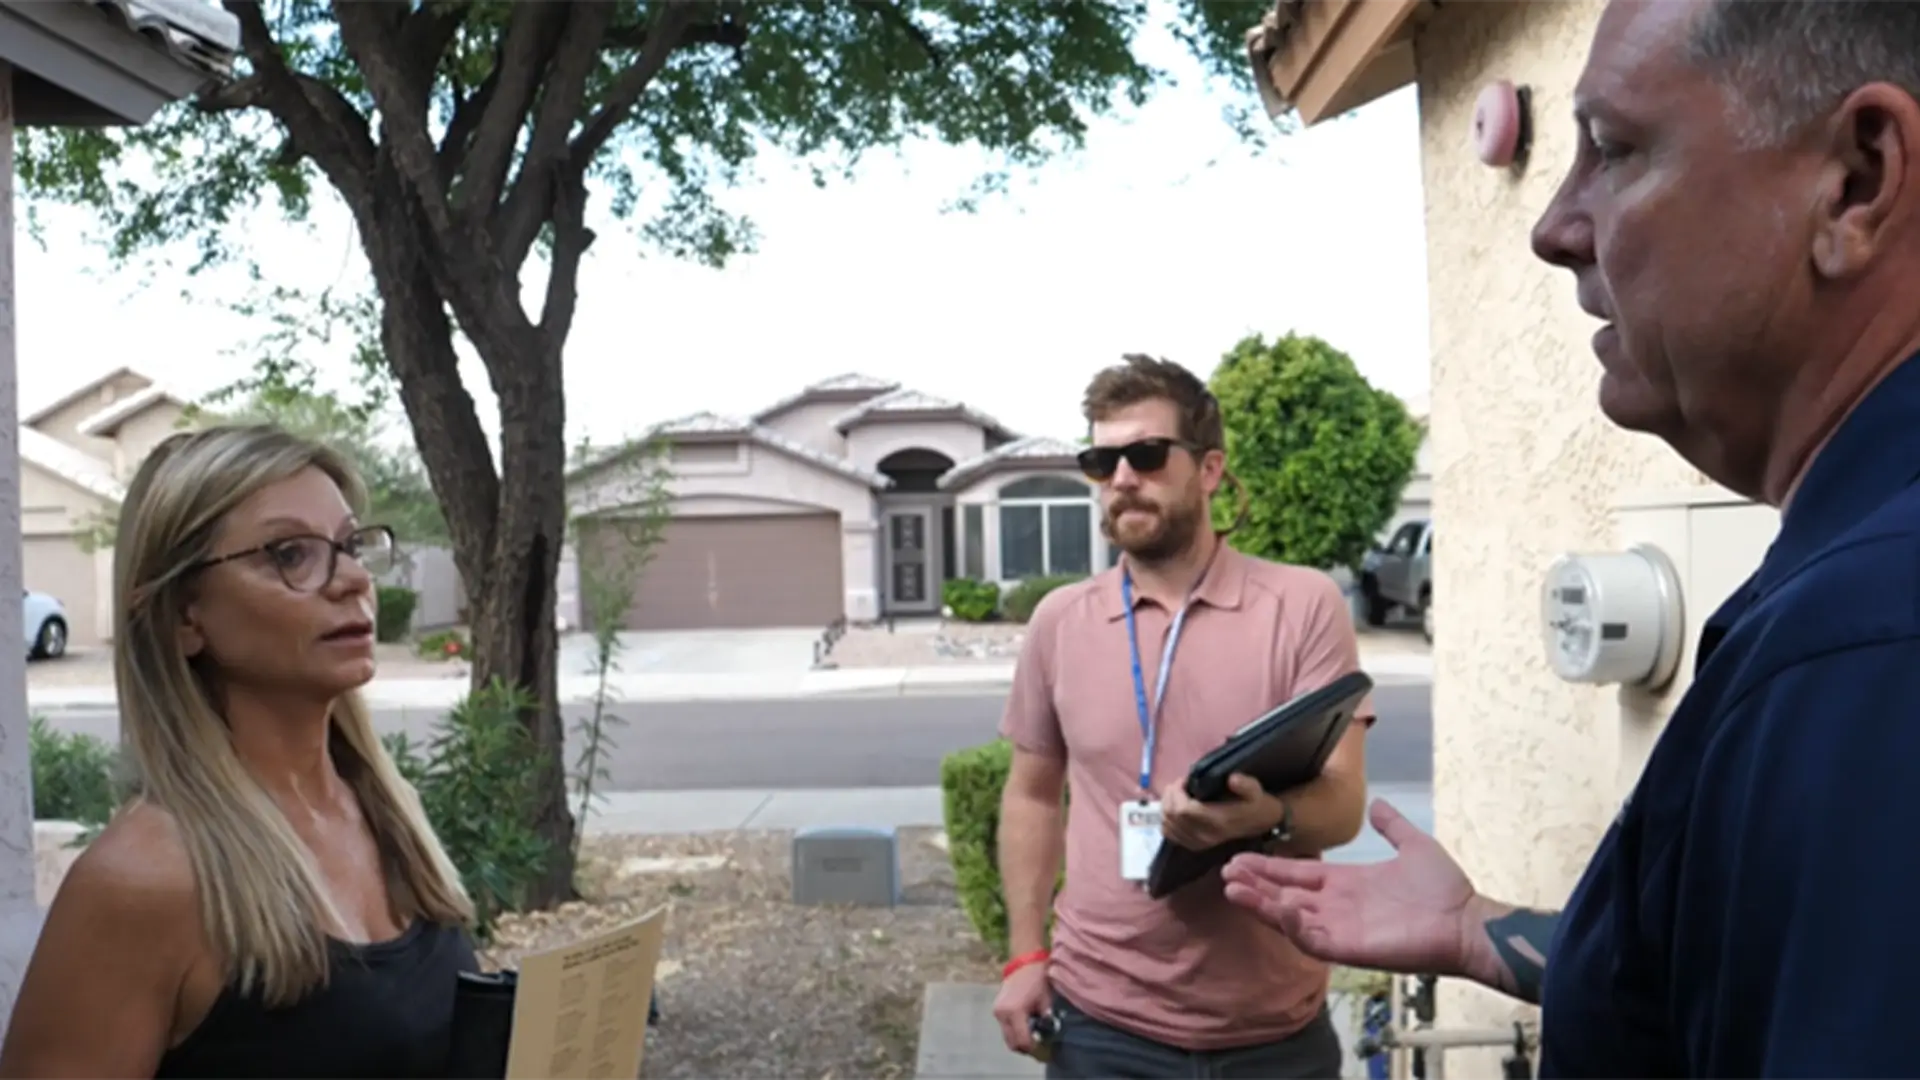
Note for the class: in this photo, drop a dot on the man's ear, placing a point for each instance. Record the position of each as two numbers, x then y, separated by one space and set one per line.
1870 187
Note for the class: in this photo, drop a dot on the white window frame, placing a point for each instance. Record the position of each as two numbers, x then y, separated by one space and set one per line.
1045 503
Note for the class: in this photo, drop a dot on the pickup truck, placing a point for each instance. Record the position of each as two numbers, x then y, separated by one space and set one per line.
1400 575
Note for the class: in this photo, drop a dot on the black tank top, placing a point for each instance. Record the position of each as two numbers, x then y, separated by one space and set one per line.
387 1011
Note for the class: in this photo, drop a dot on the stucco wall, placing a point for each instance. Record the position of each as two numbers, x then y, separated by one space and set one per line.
811 424
1528 770
870 443
140 433
63 422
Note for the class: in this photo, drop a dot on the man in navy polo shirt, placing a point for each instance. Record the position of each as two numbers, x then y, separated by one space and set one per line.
1744 216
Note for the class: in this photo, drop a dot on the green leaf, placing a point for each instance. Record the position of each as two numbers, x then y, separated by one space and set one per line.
1323 455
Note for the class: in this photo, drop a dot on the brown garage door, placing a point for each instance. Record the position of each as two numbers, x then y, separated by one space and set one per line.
738 572
56 565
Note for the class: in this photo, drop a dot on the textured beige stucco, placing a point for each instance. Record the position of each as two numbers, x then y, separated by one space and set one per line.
1527 768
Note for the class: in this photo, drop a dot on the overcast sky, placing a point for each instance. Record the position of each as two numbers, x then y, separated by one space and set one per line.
1166 235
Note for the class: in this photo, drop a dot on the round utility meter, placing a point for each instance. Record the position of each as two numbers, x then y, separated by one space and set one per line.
1613 618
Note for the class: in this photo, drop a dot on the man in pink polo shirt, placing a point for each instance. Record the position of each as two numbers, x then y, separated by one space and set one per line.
1125 681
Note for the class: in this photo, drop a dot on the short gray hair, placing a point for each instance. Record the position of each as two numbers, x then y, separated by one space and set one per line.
1786 63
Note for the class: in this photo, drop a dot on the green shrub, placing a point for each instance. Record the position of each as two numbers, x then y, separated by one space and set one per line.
970 599
444 645
479 781
395 619
971 781
74 776
1026 595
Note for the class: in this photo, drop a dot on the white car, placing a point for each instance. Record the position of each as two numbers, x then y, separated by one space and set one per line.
46 626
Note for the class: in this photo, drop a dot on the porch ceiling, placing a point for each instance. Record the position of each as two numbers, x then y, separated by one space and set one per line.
1322 58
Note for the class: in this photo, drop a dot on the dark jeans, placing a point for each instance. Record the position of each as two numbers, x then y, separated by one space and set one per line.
1087 1049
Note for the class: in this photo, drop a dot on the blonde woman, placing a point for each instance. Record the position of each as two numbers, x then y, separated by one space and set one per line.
271 902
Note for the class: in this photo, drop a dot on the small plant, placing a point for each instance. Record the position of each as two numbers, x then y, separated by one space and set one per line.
971 781
479 782
395 618
613 552
1026 595
444 645
970 599
74 776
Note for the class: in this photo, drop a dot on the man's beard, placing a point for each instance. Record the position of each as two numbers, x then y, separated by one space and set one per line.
1171 534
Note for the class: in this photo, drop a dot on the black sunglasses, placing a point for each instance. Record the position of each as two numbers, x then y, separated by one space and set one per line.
308 563
1143 456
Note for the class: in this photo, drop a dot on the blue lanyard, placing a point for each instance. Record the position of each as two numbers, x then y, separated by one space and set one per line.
1150 717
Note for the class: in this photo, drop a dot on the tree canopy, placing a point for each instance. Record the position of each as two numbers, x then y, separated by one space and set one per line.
494 109
1324 455
466 138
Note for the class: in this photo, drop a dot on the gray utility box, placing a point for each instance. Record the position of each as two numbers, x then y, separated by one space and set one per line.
846 866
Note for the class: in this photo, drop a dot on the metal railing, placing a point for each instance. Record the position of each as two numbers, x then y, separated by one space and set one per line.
1417 1049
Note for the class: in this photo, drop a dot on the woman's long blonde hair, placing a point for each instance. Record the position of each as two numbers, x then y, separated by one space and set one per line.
262 903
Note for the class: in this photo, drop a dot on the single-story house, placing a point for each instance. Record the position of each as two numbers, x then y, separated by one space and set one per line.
1529 770
855 497
76 455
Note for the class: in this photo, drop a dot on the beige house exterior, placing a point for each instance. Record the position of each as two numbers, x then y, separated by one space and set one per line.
853 498
76 455
1528 770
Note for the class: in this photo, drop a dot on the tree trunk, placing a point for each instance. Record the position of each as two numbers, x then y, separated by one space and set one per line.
514 632
507 526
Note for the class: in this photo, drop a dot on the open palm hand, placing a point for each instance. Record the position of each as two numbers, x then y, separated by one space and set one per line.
1412 913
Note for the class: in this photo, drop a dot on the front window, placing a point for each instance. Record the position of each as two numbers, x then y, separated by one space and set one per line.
1046 528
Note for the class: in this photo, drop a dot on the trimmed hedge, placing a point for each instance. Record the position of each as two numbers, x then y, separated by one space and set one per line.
971 781
970 599
395 618
1026 595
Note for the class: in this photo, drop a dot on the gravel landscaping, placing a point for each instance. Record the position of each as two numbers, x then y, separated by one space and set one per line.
926 644
751 985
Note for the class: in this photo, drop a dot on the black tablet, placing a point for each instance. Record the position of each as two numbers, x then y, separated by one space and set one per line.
1283 750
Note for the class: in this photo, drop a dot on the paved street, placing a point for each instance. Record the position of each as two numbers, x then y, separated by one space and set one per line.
850 742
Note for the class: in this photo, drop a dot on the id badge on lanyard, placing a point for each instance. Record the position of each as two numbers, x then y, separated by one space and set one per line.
1140 819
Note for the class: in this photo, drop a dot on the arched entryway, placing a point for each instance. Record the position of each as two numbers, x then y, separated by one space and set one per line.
916 531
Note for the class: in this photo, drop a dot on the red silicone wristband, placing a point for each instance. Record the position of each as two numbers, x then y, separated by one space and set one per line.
1038 956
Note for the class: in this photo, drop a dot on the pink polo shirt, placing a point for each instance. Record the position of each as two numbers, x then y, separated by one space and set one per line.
1192 970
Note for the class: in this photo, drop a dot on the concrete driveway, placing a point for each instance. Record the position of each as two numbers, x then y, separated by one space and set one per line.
698 652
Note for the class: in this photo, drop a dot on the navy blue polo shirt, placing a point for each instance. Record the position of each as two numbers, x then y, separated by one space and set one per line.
1755 909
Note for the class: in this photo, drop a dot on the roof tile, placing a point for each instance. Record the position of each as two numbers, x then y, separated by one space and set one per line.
911 401
63 461
707 423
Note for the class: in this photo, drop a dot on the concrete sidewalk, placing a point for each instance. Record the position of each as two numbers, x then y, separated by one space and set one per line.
666 812
442 693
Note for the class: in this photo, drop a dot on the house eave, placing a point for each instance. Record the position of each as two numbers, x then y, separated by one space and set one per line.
956 479
1323 58
914 416
76 65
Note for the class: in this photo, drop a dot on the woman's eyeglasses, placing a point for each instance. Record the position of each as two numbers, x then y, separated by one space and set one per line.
1144 456
308 563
